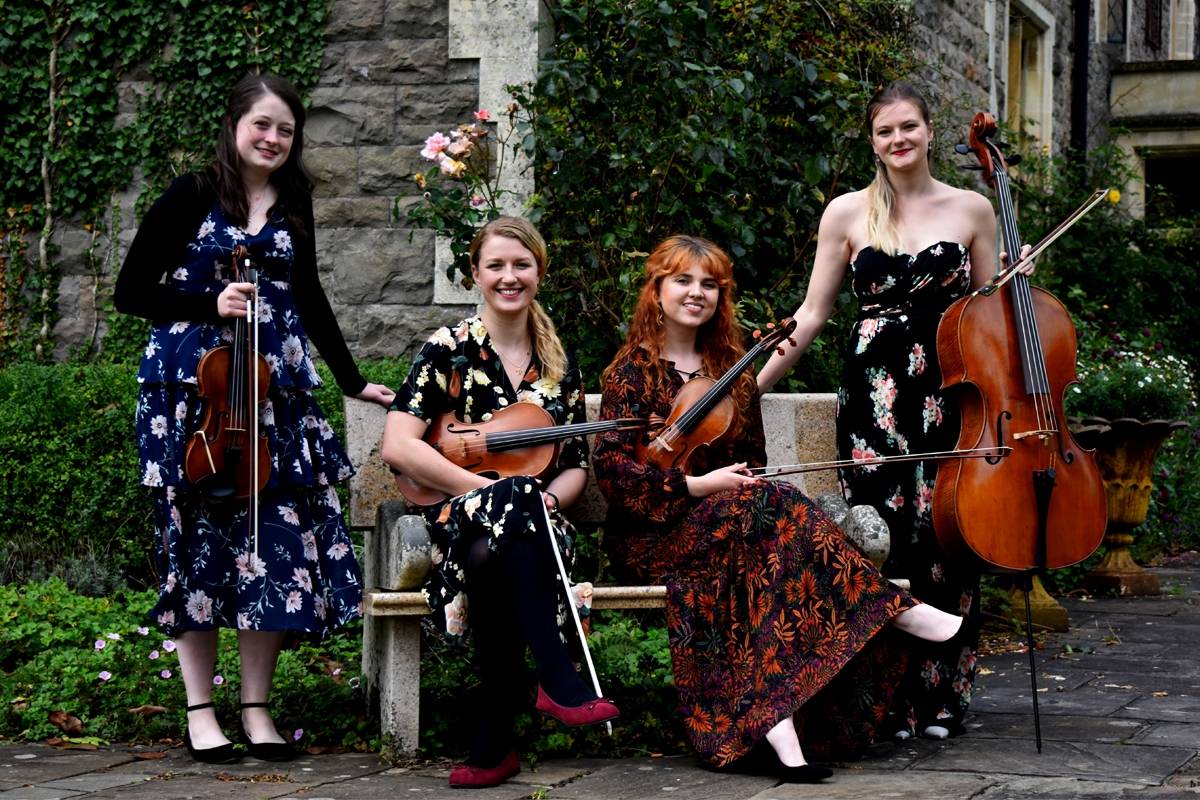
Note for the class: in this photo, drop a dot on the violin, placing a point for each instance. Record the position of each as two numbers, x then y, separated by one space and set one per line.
703 412
521 439
228 456
1009 355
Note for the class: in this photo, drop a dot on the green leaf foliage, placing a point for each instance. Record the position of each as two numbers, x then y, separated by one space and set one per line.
96 660
736 121
136 84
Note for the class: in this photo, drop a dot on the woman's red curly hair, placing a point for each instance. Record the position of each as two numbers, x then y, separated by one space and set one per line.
719 340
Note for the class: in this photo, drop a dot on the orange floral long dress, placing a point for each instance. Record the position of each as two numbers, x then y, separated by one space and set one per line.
771 610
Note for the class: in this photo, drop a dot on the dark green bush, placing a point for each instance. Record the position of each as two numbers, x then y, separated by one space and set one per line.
74 505
72 502
732 120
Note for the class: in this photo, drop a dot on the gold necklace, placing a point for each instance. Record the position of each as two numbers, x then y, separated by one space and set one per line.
508 360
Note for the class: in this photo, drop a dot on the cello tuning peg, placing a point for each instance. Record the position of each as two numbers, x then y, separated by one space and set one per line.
779 350
1014 159
962 149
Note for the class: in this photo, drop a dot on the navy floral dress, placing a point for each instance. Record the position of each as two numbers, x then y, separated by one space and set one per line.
771 610
890 402
458 371
304 576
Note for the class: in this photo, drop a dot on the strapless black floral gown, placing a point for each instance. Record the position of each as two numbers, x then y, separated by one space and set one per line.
890 403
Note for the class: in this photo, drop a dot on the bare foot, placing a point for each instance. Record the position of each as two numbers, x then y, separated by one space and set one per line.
928 623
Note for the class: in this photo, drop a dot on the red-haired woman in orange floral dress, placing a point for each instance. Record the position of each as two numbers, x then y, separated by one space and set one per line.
772 613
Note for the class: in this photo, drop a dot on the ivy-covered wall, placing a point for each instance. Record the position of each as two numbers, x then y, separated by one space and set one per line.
105 101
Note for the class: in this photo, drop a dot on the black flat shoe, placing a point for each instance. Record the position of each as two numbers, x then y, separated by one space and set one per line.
267 751
221 754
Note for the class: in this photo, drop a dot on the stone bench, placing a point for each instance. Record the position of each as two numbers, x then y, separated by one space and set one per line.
396 559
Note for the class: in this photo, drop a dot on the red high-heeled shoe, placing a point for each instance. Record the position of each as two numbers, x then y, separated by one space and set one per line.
466 776
590 713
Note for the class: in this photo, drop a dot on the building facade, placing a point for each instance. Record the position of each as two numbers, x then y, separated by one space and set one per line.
395 71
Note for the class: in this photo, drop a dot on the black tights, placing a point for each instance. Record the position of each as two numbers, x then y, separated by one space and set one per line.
513 604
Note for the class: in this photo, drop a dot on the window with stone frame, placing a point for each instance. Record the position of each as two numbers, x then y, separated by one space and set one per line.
1115 20
1030 79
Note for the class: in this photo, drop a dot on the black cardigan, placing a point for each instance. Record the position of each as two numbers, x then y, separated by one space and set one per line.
167 229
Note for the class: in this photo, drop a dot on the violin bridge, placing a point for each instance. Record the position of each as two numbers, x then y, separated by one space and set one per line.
1041 434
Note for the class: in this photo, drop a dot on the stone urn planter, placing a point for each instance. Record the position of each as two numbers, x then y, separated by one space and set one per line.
1125 452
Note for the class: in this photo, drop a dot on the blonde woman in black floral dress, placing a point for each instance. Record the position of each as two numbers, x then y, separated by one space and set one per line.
773 615
913 245
489 538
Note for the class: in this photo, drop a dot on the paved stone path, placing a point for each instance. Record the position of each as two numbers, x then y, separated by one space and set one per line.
1120 719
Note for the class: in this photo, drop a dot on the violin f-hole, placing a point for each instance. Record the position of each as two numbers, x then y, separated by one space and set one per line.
994 460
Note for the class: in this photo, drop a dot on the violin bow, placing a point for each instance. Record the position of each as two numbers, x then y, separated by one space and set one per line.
566 582
814 466
1004 276
251 274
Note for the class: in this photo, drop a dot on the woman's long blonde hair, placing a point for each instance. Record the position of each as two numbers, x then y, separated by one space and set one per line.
719 340
882 232
541 329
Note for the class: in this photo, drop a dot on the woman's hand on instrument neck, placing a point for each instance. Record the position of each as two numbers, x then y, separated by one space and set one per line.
234 299
719 480
376 393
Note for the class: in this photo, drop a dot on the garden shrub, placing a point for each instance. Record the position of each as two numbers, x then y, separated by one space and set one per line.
68 477
96 660
736 121
74 505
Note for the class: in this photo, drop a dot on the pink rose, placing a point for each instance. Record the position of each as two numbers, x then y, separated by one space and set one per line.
435 144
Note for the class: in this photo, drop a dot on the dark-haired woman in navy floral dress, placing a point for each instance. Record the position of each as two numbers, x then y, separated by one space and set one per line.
177 274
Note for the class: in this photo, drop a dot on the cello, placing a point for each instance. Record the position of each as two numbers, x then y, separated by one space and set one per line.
1009 356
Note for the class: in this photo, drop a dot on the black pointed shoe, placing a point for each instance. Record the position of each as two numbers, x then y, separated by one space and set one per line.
267 751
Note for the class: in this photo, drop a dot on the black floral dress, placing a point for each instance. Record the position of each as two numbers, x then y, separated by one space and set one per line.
458 371
771 610
890 402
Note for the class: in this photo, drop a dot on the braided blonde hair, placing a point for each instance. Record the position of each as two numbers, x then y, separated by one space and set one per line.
541 328
882 233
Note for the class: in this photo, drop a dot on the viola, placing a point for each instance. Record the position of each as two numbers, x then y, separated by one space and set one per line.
521 439
228 457
1009 356
703 412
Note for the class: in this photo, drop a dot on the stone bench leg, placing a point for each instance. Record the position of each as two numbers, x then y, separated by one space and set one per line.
392 671
396 557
